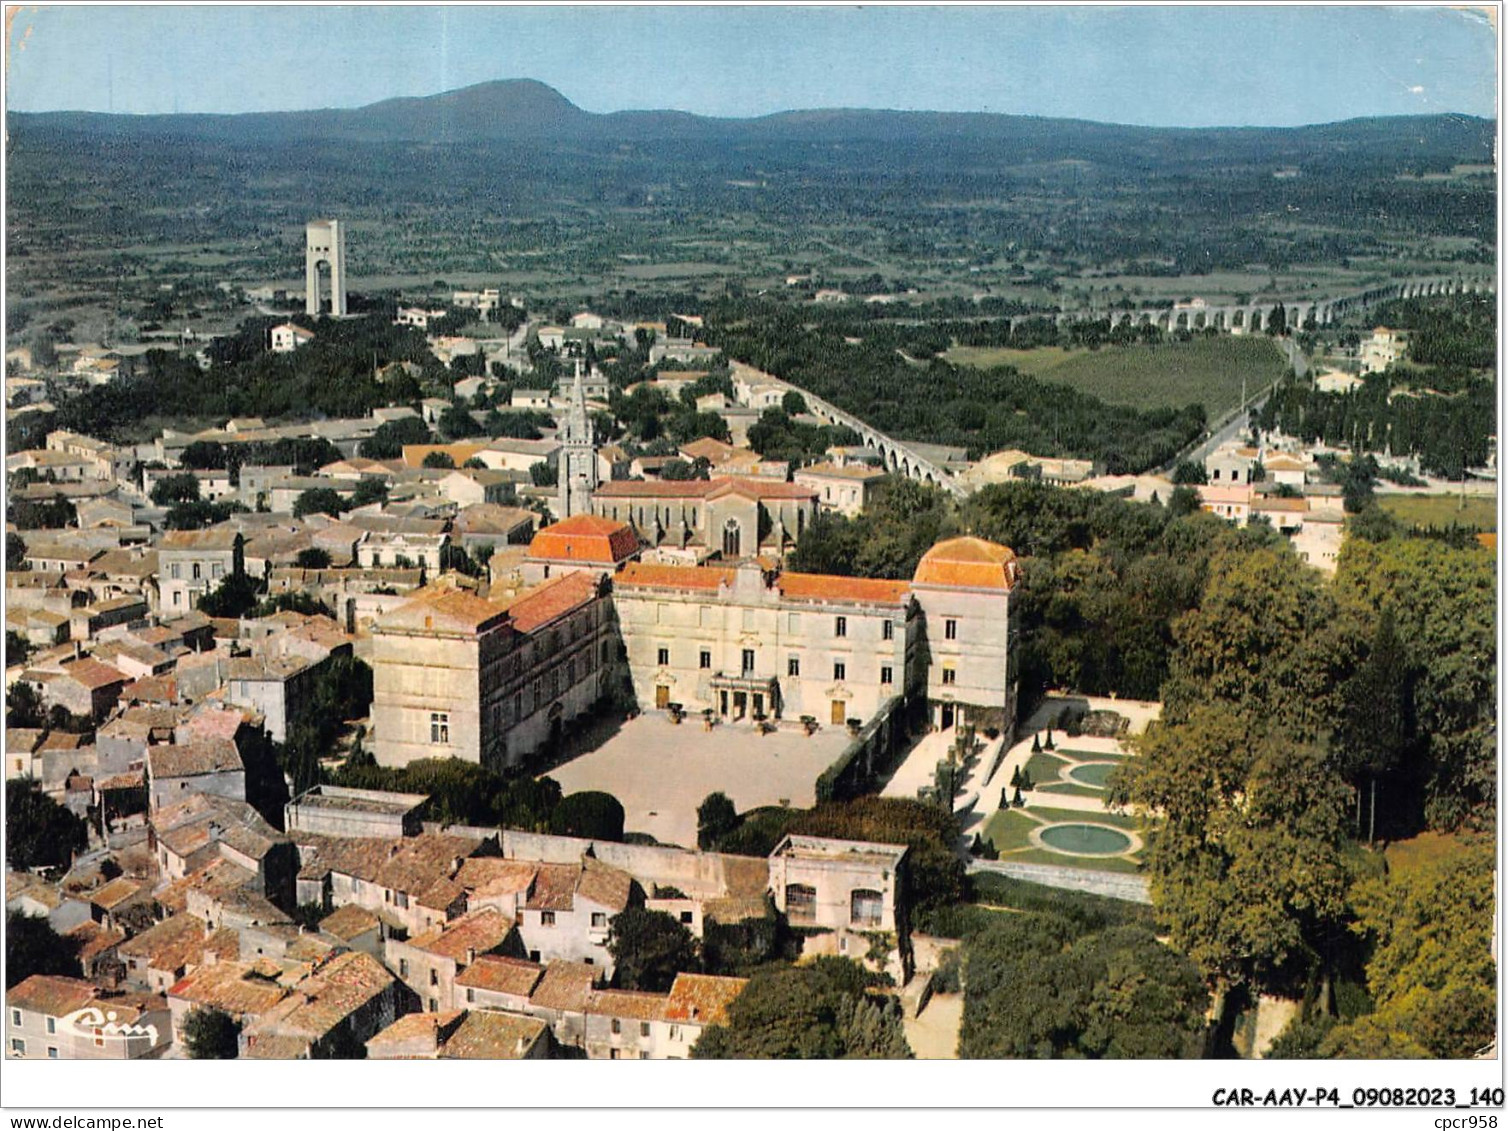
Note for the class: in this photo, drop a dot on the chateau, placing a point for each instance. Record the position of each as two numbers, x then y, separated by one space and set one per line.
456 675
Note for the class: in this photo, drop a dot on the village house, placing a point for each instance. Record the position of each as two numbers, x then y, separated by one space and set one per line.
459 1034
157 958
625 1025
288 337
209 766
561 999
51 1017
430 962
409 884
845 490
339 811
839 884
566 914
496 981
193 562
345 1002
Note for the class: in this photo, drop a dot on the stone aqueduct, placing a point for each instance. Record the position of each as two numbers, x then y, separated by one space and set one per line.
903 459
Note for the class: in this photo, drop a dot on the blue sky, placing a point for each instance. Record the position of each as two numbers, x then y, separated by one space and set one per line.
1149 65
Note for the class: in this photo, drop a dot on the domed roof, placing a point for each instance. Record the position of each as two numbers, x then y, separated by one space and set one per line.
968 563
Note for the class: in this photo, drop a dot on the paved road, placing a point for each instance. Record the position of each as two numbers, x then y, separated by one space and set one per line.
1236 420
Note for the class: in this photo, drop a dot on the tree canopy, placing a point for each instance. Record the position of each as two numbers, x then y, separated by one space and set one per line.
649 949
38 831
815 1012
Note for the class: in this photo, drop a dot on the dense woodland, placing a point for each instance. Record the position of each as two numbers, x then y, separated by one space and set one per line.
1440 407
980 410
1305 720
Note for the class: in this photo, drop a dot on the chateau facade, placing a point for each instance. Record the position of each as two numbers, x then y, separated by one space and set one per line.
456 675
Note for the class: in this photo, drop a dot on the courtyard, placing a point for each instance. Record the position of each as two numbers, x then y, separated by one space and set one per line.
661 772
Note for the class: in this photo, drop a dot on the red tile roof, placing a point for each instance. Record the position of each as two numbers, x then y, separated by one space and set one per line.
968 563
855 590
586 538
673 576
92 674
552 600
51 994
503 975
702 998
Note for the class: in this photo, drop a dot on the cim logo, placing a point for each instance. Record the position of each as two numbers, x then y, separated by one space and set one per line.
102 1023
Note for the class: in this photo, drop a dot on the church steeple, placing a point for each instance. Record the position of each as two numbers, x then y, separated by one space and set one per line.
578 456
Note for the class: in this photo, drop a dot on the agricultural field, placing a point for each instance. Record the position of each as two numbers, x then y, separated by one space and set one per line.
1439 511
1206 371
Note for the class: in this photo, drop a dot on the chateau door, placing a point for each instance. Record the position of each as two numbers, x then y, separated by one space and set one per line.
840 712
662 697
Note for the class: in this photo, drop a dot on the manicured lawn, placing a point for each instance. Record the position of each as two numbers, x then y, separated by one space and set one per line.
1440 511
1090 756
1044 768
1072 788
1206 371
1009 829
1050 816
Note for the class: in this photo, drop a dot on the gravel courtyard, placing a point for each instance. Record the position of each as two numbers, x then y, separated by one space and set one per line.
661 772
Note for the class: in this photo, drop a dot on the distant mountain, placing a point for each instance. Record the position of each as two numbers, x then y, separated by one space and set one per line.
523 110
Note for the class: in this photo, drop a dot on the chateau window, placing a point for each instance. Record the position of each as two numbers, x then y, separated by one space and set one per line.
801 903
52 1024
547 918
434 977
793 667
662 657
216 569
177 572
866 908
887 630
840 671
197 571
950 629
439 727
570 671
403 968
617 1028
887 675
643 1032
704 661
840 626
599 918
748 660
949 675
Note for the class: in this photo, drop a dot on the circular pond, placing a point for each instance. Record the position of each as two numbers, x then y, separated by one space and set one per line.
1086 840
1094 774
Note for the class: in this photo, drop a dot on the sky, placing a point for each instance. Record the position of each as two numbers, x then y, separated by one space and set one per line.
1166 66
